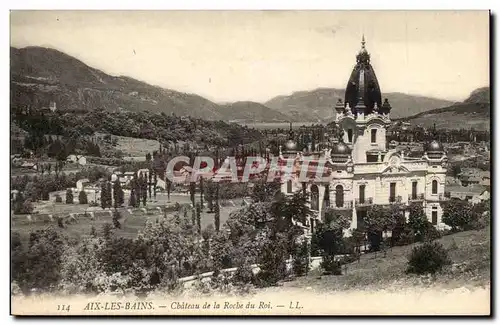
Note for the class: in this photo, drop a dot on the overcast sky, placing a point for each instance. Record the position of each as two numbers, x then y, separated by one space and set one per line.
231 56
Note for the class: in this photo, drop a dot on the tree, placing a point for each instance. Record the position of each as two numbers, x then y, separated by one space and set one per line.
117 194
192 187
210 195
455 170
330 239
378 220
116 217
82 197
109 198
417 220
201 191
459 215
69 196
169 188
133 199
272 261
104 196
265 191
198 217
301 258
217 217
286 209
155 182
150 183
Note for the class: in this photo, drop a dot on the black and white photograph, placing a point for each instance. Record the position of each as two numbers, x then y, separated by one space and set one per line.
272 162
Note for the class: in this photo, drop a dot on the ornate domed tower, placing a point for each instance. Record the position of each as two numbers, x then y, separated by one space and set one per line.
362 90
363 115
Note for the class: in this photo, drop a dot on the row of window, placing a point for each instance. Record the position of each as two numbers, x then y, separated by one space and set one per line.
339 193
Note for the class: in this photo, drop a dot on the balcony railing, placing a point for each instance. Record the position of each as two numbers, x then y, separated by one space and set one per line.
395 199
366 201
417 197
345 206
437 197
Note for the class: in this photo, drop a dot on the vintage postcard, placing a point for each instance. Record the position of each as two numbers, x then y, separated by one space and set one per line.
250 163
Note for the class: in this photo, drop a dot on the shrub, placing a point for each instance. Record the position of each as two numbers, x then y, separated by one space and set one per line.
315 245
430 257
406 237
58 198
301 259
431 233
82 197
330 265
243 275
69 196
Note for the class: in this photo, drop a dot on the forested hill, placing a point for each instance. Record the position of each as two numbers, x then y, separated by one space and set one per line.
161 127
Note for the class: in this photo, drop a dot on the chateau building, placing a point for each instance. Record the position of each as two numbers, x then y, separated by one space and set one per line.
361 168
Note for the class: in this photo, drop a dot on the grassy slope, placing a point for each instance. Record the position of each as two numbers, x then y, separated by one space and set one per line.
375 272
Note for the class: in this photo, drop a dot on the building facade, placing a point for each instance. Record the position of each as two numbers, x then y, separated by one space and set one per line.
359 167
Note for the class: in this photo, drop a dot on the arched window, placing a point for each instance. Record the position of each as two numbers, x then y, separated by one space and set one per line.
289 186
339 196
314 197
434 187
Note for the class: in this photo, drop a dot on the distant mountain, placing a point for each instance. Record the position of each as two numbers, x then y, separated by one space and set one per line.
246 111
474 112
319 104
43 75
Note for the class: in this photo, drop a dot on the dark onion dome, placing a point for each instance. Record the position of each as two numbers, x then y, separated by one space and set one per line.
435 146
363 85
340 148
290 145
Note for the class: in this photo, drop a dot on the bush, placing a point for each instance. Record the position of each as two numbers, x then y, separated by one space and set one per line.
82 197
430 257
431 233
69 196
243 275
406 237
58 198
330 265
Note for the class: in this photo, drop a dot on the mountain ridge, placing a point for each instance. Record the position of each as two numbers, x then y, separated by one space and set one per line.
320 102
473 112
40 75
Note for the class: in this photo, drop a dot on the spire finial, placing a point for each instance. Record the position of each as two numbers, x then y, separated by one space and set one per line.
363 41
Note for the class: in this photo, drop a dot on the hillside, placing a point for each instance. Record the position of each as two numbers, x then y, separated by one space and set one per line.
469 251
318 104
474 112
41 75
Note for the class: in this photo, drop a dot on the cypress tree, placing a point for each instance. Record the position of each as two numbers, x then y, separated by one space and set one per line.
109 198
217 217
198 218
104 201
